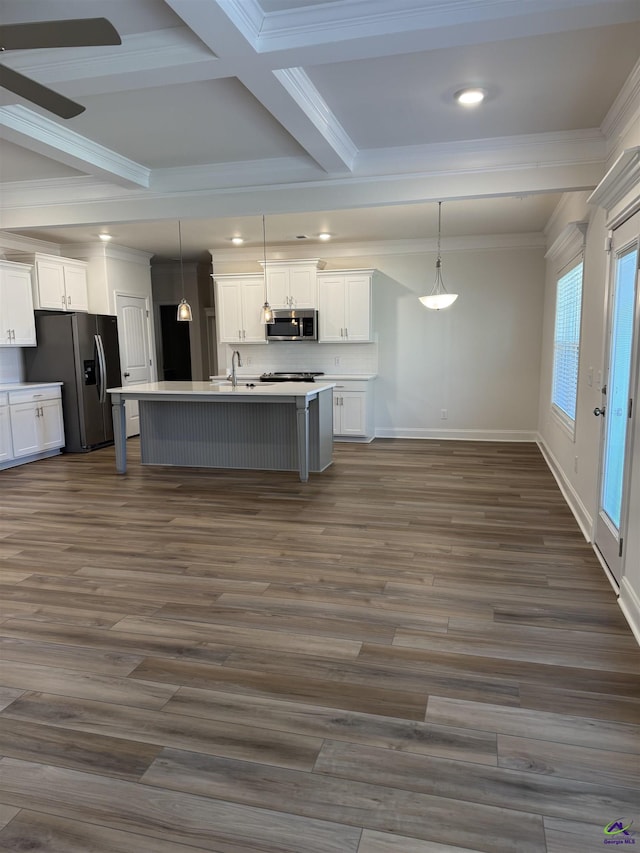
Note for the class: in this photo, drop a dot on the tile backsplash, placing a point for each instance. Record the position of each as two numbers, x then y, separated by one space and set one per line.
328 358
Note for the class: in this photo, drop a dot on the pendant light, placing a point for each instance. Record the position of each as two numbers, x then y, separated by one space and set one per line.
184 309
439 297
267 311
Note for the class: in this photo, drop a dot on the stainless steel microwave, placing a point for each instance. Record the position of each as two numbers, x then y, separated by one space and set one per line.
292 324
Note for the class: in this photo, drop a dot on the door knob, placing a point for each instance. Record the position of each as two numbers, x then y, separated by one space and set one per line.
597 411
126 375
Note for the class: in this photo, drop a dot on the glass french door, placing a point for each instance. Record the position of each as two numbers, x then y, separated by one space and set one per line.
616 408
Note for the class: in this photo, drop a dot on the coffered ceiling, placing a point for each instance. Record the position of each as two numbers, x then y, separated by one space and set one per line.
332 115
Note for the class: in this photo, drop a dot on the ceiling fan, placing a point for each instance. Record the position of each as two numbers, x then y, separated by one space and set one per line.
78 32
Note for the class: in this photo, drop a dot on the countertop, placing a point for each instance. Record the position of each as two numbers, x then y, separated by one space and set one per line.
326 377
212 390
24 386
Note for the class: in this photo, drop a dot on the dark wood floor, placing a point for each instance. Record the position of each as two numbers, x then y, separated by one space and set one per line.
416 651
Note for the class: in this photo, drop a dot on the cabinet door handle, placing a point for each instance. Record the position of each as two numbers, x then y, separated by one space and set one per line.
9 334
64 301
346 333
68 300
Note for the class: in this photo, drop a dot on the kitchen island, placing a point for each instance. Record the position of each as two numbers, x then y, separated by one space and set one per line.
284 426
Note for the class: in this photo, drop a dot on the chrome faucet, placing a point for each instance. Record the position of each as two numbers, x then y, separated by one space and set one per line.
234 378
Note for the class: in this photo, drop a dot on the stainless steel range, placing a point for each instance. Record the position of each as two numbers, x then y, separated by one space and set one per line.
295 376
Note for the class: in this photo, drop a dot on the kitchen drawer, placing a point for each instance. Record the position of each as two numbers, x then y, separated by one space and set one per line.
351 384
34 395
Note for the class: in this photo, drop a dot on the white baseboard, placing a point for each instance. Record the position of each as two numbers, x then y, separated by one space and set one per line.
630 605
459 434
579 510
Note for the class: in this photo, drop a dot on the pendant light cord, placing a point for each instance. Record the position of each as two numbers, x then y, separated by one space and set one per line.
181 265
264 256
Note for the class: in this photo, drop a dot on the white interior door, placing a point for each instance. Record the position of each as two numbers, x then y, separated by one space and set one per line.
135 354
617 407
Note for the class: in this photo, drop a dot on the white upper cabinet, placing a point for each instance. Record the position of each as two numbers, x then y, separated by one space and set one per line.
344 306
239 301
17 323
59 284
293 284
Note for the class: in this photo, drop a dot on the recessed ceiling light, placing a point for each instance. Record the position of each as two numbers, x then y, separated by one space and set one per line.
237 241
105 237
470 97
324 236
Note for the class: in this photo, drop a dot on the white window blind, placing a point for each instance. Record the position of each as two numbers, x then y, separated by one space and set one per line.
567 345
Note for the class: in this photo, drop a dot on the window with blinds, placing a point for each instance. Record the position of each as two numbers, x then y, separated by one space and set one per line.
566 346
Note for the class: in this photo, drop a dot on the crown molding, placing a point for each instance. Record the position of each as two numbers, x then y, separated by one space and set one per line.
380 248
38 133
361 19
19 243
559 214
624 110
619 190
569 243
85 251
622 177
248 16
298 85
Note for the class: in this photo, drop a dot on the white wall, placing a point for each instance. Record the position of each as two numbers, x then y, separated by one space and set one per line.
576 459
581 486
479 359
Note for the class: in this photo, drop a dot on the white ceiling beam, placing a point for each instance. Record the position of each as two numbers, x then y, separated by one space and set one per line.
32 206
24 127
287 94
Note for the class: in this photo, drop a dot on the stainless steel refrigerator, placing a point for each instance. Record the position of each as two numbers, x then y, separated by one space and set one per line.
80 350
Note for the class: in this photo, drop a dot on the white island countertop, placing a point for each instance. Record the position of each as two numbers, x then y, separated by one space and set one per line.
219 388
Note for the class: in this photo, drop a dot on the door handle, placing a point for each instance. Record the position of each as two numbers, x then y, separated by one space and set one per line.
127 375
597 411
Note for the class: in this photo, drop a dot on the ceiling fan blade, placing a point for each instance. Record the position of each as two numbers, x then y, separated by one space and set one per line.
77 32
38 94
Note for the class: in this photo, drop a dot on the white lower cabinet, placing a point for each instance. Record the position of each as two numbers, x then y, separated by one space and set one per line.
6 448
353 409
35 420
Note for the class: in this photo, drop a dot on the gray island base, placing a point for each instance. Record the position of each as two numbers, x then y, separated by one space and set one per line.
286 426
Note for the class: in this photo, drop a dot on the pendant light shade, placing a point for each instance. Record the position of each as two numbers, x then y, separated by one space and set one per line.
266 317
184 309
439 296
